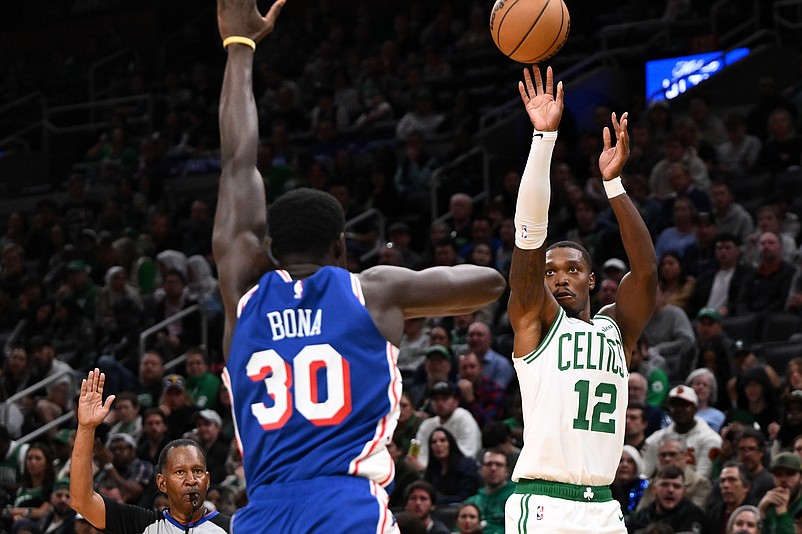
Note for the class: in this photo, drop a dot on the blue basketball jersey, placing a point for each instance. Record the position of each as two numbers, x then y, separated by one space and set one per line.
314 385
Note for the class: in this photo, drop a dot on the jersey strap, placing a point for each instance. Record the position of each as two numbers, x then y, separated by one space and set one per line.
547 338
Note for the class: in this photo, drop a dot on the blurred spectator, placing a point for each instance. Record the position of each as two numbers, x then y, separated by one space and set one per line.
790 426
480 395
651 366
702 254
672 450
422 118
733 485
469 520
412 349
12 465
783 148
456 420
629 485
453 475
415 165
60 519
756 403
711 127
73 335
682 234
703 382
198 230
675 284
767 289
154 436
495 366
702 442
207 433
638 387
202 385
177 405
635 426
670 334
492 496
58 395
126 415
420 502
738 154
176 336
437 367
671 506
676 153
768 100
404 474
718 287
80 287
400 235
782 503
768 220
32 499
118 462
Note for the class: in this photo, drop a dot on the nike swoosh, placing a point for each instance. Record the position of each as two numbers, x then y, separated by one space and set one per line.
620 517
537 135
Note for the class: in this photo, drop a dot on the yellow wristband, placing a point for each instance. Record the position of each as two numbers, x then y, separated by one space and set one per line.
238 39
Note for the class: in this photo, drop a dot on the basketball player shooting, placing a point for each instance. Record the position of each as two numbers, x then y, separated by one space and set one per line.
310 348
572 367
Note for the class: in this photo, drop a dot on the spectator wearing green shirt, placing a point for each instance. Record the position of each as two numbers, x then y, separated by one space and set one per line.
201 384
781 504
653 367
493 495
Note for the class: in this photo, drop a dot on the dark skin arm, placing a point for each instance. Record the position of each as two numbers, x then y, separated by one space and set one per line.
241 217
637 292
532 308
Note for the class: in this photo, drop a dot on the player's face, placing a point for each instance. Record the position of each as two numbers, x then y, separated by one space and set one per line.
184 474
569 279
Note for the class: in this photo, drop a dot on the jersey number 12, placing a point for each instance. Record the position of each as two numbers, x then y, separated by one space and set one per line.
279 376
605 398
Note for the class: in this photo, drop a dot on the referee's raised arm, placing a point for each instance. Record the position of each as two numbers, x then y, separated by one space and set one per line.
91 412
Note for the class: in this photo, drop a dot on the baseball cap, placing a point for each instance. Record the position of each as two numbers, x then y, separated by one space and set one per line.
685 393
438 350
174 381
121 436
614 263
786 460
444 388
709 313
77 265
742 348
63 482
211 416
63 436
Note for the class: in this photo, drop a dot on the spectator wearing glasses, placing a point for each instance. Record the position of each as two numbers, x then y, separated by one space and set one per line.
750 446
493 494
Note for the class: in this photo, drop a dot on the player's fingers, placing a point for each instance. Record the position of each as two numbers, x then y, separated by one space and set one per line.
549 81
538 79
109 401
83 387
560 94
606 138
530 88
522 90
273 13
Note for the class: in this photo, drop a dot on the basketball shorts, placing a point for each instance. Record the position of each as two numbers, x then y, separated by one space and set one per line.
557 508
326 504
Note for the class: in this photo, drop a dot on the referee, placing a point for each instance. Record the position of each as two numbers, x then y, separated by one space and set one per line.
181 475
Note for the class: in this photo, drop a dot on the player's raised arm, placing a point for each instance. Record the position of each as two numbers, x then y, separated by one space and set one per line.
241 218
531 306
635 300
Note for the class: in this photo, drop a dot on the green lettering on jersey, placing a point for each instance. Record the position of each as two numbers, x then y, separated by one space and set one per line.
562 350
578 349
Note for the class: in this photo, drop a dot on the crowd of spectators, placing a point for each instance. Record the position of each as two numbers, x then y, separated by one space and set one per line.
712 425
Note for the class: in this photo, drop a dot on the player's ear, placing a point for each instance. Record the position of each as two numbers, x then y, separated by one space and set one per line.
592 280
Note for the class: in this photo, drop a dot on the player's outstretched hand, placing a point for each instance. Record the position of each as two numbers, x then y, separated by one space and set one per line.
613 158
91 408
242 18
543 106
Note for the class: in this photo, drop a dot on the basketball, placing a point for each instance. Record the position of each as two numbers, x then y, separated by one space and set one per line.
529 31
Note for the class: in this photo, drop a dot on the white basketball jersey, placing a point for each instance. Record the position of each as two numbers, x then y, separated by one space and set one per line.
574 392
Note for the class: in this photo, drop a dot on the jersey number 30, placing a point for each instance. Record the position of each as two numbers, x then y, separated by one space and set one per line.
605 398
278 377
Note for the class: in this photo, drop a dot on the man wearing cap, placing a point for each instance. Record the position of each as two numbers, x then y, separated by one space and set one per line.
178 406
400 236
438 366
614 269
702 442
118 461
82 288
181 475
60 519
781 504
207 433
456 420
710 332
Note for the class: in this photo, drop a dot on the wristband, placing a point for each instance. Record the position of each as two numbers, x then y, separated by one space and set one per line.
614 187
238 39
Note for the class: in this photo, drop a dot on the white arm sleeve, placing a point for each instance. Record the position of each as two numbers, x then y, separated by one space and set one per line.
534 194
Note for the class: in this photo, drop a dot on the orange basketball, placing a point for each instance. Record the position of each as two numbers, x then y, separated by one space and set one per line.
529 31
